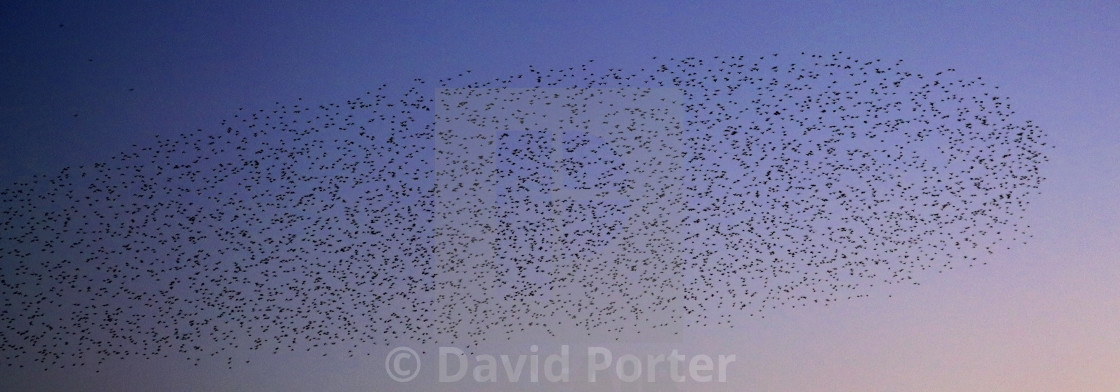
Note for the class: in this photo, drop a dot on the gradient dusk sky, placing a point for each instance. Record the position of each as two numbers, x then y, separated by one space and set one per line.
86 81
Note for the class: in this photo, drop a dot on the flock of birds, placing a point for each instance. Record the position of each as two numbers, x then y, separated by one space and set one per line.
762 182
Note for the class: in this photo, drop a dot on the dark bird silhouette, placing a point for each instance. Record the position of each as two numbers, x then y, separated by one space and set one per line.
755 183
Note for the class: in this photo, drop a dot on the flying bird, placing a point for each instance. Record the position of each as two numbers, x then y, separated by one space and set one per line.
758 183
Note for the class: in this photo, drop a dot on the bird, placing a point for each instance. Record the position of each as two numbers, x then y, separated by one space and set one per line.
699 189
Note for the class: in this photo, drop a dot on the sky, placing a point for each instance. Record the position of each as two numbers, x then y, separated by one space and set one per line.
85 82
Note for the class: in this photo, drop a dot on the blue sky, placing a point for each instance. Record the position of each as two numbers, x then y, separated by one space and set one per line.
84 82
